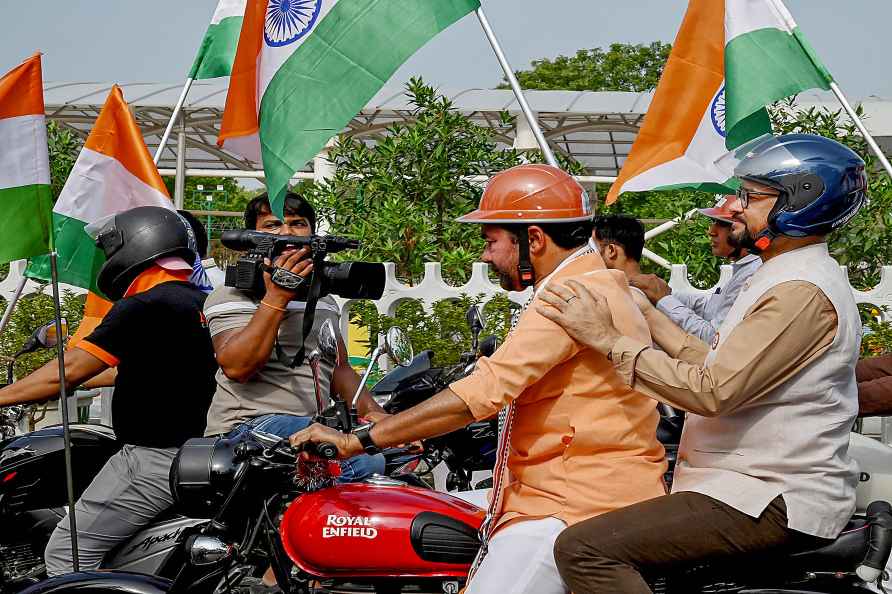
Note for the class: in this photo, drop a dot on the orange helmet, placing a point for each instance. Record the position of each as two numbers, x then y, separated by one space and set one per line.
721 211
530 194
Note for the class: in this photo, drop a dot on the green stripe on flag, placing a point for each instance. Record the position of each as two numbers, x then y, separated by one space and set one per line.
762 67
25 224
79 258
217 51
347 58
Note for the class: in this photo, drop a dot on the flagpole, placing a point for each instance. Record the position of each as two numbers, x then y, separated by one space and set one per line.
515 86
791 25
7 314
861 127
63 406
173 118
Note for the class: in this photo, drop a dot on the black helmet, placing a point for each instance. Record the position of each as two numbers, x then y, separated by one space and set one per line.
133 240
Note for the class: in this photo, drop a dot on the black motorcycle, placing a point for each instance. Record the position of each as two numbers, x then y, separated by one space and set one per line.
465 451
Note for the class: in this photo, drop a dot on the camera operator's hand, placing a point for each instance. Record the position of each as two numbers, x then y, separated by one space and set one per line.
293 261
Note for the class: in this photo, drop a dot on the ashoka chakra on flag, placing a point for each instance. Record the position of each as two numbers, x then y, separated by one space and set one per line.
289 20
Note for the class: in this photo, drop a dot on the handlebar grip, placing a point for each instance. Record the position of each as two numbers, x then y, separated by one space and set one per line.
879 545
325 450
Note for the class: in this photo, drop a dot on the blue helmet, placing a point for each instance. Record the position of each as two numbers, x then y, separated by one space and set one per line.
822 183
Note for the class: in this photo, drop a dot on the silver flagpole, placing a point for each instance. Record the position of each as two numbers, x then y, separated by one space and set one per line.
791 25
515 86
861 127
173 118
11 305
63 405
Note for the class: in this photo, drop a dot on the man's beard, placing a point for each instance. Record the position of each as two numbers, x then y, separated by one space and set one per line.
735 244
744 240
506 281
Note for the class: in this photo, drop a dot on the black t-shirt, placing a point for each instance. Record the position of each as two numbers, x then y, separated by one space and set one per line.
166 365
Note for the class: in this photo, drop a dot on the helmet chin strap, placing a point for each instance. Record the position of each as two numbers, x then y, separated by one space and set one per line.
525 271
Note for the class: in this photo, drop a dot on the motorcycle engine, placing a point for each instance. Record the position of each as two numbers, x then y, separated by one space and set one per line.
20 562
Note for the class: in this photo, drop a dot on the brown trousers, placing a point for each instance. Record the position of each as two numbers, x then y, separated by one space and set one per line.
606 554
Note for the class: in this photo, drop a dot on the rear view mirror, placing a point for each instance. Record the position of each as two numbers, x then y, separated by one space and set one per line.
44 337
476 319
399 347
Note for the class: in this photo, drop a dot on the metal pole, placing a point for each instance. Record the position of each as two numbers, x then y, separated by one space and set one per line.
63 405
656 259
515 86
659 230
179 194
867 136
173 119
11 305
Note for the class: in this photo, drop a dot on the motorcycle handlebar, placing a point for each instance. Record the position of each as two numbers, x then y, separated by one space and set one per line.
324 450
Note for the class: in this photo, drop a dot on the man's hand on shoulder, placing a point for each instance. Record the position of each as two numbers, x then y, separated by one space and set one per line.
582 312
653 286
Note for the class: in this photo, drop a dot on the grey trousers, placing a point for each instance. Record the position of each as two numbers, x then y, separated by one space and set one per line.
128 493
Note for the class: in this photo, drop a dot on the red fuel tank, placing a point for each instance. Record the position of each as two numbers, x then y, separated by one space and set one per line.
381 528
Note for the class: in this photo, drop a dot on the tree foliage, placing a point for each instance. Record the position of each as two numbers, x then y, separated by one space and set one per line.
31 312
401 195
621 67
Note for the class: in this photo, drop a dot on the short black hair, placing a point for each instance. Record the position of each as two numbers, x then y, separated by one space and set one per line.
564 235
201 234
623 230
295 205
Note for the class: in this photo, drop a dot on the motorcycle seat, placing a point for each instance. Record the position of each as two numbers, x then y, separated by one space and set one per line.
843 554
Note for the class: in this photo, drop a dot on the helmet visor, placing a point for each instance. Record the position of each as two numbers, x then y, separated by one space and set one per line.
759 159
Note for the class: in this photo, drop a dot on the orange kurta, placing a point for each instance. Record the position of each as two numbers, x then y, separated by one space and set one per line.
583 442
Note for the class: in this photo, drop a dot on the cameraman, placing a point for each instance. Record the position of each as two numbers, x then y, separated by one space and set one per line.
256 389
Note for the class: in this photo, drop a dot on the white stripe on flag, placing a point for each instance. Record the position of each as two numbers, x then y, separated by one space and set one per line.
23 152
228 8
100 186
272 58
746 16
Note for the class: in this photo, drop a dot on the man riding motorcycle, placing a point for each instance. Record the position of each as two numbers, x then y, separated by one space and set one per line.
577 442
253 337
154 334
763 463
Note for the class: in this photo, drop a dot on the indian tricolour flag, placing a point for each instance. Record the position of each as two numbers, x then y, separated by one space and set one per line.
305 68
113 173
730 60
25 198
217 51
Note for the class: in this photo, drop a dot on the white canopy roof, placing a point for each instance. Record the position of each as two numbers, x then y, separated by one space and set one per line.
595 128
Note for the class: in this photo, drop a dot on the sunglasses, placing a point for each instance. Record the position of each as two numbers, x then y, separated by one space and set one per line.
743 196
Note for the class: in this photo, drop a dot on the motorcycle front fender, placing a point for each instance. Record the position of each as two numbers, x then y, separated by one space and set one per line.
101 582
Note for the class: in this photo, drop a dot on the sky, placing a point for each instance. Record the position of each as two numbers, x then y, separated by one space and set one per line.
155 41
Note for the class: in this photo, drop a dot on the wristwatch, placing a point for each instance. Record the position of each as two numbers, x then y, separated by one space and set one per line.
287 279
363 434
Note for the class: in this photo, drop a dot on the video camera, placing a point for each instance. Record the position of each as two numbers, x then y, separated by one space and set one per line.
350 280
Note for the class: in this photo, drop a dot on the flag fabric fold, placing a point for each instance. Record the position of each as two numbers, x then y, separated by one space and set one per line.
305 68
25 197
217 50
113 173
730 60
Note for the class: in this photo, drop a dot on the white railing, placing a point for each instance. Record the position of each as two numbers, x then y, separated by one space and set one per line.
433 288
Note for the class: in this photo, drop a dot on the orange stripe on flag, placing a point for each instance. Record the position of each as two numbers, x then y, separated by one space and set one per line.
94 310
14 101
693 74
240 116
116 135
